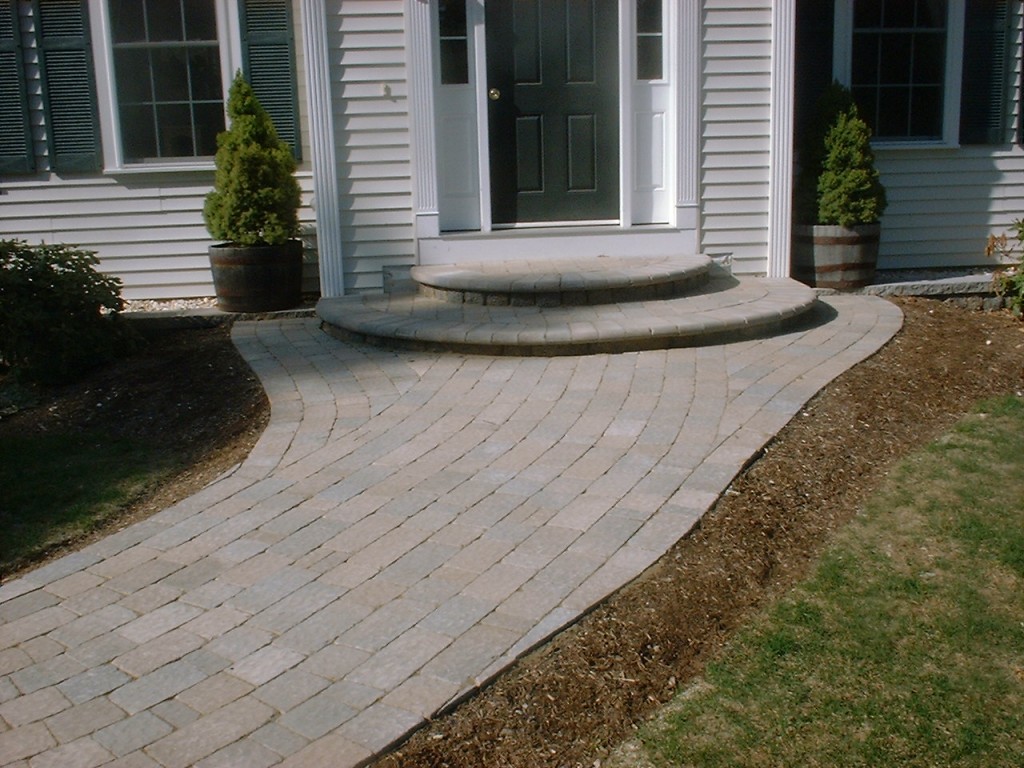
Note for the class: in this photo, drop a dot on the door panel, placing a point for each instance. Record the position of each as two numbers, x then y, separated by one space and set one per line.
530 153
554 110
581 148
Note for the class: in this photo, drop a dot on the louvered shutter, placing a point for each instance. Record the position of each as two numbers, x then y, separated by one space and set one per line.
69 92
16 155
983 93
268 49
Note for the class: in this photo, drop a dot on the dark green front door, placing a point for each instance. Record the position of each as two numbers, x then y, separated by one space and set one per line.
553 96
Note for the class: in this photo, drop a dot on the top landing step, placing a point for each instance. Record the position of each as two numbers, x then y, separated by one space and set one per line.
564 282
571 307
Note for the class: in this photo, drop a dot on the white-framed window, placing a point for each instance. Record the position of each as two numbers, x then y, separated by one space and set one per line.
162 72
128 85
168 89
903 59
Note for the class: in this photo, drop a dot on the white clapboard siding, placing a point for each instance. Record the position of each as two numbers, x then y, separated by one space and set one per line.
735 100
944 205
147 230
151 237
371 124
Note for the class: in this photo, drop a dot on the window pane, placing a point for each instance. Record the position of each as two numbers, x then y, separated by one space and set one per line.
175 126
170 74
931 13
132 69
200 20
865 59
867 13
895 60
648 16
899 14
452 17
893 113
138 132
209 121
929 59
127 21
926 111
204 73
163 20
648 58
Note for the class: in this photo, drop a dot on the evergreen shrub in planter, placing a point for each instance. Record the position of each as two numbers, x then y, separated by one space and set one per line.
254 208
840 198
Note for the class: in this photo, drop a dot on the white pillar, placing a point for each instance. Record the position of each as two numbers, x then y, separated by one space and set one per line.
420 49
780 182
688 110
324 160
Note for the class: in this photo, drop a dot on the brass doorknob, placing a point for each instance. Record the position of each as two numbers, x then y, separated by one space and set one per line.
493 94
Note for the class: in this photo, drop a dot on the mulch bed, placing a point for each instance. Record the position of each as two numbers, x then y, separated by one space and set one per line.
187 391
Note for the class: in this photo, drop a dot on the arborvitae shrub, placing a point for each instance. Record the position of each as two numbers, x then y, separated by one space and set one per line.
834 99
849 191
838 182
255 199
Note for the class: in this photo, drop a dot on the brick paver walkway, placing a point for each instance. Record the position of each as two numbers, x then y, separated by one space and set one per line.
407 526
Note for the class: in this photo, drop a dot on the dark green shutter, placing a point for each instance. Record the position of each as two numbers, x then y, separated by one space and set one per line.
268 51
983 91
69 88
16 155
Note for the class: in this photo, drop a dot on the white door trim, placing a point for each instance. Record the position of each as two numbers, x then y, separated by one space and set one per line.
681 149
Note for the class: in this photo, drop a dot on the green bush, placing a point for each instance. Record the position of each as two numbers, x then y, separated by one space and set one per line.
834 100
255 200
58 315
849 191
838 182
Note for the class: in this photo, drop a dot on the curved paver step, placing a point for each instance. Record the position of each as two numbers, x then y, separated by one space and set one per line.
568 282
729 309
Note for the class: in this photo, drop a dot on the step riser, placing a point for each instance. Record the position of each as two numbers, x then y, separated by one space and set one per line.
804 319
586 298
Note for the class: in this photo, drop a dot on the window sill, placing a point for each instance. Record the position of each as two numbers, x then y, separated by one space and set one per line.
159 168
923 144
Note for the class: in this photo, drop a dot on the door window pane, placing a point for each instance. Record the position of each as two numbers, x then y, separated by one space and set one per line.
454 42
649 40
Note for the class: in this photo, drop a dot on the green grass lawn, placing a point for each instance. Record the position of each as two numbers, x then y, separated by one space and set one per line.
905 647
59 486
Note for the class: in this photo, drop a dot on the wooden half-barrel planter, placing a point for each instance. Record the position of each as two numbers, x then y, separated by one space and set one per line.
263 278
841 258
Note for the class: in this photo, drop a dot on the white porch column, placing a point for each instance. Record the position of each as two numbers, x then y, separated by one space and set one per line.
688 149
420 65
780 179
327 199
